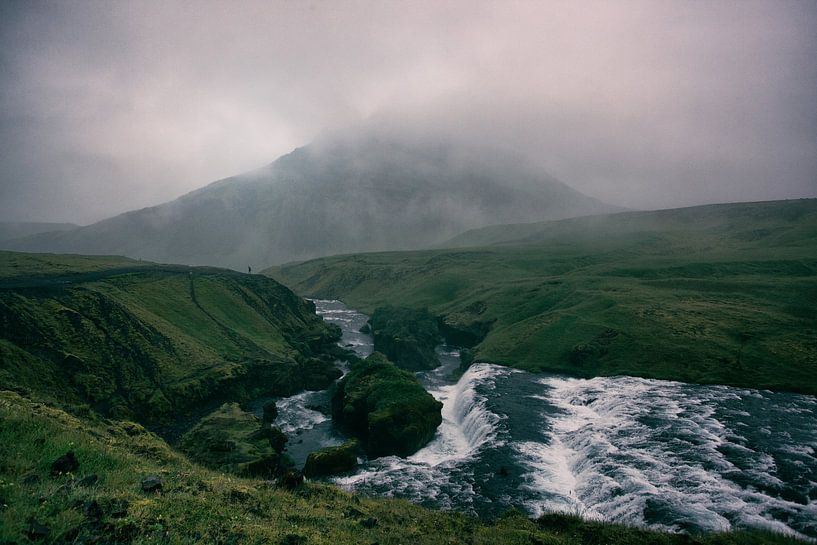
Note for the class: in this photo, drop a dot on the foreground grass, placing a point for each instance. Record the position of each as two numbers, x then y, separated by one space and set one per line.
717 294
198 505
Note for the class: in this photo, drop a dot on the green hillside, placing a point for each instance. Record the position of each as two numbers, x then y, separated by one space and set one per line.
715 294
131 339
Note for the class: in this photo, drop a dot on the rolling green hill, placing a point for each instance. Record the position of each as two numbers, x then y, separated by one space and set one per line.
152 342
721 294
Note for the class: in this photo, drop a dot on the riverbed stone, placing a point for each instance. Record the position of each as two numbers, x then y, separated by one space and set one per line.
67 463
152 483
37 531
332 460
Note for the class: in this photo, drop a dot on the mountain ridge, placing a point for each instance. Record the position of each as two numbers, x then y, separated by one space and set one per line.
337 195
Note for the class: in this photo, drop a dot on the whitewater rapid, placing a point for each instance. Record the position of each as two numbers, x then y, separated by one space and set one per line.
645 452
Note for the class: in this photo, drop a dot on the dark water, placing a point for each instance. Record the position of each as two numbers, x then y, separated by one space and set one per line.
662 454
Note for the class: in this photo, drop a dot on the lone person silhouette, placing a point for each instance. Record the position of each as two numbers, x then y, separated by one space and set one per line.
249 270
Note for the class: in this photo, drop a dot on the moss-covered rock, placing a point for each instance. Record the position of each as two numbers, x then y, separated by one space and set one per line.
332 460
406 336
385 407
234 440
467 327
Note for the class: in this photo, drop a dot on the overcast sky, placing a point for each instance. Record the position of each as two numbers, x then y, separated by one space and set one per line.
110 106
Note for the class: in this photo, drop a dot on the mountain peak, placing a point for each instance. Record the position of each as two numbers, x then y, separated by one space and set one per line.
348 192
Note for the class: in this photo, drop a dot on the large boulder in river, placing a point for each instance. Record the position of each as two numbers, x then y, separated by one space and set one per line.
332 460
407 336
386 408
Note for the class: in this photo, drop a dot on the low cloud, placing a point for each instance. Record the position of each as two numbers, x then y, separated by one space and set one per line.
106 107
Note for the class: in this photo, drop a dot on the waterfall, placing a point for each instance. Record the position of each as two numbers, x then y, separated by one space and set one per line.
467 424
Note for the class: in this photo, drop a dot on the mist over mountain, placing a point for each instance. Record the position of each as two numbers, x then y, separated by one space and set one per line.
348 192
10 230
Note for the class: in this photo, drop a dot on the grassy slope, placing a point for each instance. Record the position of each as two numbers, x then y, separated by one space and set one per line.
715 294
198 505
130 338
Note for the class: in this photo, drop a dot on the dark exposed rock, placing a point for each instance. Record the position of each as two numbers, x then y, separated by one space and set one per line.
291 480
36 531
67 463
466 359
366 328
152 483
92 510
332 460
270 412
369 523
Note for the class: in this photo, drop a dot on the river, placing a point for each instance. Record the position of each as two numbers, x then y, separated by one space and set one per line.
654 453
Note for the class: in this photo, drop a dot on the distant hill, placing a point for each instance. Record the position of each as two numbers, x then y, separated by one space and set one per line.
775 221
721 294
10 230
342 194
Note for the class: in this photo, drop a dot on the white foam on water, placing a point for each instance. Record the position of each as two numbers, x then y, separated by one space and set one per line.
624 447
644 452
467 424
294 415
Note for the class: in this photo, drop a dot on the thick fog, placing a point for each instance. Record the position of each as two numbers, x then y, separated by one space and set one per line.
106 107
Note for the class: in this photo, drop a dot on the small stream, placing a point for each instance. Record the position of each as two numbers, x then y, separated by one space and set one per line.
662 454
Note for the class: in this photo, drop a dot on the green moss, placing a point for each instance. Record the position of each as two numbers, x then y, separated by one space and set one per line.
232 440
332 460
406 336
385 407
